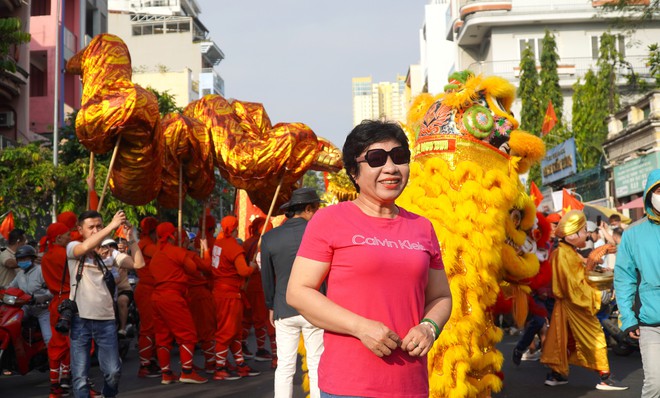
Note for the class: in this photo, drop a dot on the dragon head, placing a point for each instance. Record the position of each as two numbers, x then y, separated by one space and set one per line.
475 109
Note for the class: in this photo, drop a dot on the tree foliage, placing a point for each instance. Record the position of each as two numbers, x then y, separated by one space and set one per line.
630 14
654 63
11 35
528 92
550 90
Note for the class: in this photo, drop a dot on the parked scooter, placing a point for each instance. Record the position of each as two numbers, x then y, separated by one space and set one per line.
22 348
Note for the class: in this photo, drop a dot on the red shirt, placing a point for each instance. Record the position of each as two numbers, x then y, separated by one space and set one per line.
228 269
148 248
170 270
52 268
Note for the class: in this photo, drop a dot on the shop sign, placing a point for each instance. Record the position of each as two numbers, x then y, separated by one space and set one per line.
630 177
559 162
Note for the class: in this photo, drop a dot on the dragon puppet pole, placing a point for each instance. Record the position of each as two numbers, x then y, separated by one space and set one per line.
202 233
272 205
107 177
180 218
89 171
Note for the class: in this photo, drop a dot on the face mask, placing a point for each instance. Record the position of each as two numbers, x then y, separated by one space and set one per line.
655 201
24 264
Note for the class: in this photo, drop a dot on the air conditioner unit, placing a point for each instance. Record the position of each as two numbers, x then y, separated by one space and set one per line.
6 119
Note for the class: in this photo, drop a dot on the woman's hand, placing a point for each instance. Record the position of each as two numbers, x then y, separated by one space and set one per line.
419 340
378 338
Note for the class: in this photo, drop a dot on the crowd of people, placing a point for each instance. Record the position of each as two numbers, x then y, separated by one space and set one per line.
333 275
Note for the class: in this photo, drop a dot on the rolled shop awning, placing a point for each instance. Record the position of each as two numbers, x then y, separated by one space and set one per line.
634 204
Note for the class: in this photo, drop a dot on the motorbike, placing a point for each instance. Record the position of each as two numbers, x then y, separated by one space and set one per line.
133 321
625 345
22 347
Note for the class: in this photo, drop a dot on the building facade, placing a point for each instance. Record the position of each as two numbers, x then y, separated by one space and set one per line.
59 30
170 47
14 86
379 101
632 149
491 36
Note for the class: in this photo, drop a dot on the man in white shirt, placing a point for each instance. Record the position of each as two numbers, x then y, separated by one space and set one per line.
92 289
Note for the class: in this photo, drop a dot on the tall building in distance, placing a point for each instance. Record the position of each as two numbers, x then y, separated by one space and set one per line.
379 101
170 47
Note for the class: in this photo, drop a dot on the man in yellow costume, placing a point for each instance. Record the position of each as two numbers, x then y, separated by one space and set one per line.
575 336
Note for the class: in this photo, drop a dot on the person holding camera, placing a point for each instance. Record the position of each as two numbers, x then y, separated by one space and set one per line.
91 307
53 267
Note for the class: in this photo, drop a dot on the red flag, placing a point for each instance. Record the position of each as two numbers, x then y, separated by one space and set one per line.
7 225
549 120
536 194
570 202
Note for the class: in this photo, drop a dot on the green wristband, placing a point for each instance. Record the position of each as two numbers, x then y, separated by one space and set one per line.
435 326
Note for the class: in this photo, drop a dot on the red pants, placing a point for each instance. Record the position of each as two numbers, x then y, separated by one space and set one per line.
202 309
172 321
146 339
229 316
58 346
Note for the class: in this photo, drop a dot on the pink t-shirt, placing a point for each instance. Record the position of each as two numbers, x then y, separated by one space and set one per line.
379 270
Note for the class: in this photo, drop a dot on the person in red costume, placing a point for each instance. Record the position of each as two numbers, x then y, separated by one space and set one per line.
70 219
200 301
142 296
257 314
57 280
229 272
541 301
172 318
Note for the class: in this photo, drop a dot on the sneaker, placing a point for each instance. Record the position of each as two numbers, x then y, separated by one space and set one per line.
262 356
247 354
94 393
65 382
210 369
531 356
555 379
192 378
56 391
245 371
148 371
169 377
225 374
515 357
611 384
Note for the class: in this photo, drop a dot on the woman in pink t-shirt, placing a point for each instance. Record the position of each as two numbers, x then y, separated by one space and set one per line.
388 296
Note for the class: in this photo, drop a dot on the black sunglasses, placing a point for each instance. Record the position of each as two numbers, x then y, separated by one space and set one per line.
378 157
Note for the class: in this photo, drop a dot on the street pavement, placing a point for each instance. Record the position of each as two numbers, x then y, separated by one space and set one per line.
525 380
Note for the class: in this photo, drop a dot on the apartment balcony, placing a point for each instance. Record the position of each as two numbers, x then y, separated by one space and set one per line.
157 7
477 18
211 53
10 5
11 83
210 82
568 69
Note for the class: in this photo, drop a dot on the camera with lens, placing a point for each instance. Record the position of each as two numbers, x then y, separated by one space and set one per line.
67 310
110 283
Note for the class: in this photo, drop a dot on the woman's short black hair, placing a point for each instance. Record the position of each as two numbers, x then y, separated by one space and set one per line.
362 136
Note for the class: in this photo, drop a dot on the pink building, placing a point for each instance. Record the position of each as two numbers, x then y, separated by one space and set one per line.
44 23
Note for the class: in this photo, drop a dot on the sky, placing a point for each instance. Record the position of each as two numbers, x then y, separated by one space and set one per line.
298 57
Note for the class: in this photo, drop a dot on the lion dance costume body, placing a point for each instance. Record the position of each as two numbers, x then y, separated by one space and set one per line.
468 154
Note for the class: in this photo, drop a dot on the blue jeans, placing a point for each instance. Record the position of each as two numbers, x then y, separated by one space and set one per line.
649 347
104 334
535 324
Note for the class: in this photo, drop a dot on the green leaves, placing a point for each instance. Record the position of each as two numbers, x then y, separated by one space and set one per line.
10 35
